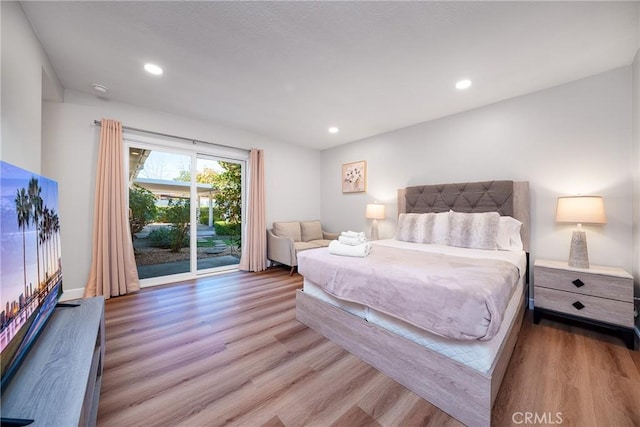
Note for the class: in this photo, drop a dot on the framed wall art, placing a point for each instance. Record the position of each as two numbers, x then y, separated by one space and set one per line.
354 177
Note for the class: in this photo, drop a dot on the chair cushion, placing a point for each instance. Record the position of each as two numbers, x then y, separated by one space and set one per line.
288 229
320 242
301 246
311 230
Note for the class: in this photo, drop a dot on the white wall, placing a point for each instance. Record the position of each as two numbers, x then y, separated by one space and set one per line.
58 140
574 138
70 154
25 68
565 140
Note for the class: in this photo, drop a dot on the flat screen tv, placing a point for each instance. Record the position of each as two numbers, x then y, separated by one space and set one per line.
30 272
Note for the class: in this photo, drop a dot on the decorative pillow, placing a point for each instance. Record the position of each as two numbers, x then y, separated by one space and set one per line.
287 229
509 238
474 230
311 230
440 234
417 228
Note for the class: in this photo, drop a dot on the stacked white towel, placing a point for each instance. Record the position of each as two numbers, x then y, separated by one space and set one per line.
350 243
352 234
352 238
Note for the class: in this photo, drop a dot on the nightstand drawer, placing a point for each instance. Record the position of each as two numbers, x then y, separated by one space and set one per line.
615 288
604 310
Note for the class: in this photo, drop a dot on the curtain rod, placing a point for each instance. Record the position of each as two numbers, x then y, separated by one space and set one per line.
195 141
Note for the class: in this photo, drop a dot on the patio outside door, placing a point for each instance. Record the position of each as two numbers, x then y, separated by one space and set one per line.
185 212
219 212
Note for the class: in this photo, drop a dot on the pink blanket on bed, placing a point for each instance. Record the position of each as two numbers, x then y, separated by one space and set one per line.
455 297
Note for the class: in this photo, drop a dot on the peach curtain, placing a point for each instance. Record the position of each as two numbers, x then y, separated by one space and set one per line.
254 249
113 266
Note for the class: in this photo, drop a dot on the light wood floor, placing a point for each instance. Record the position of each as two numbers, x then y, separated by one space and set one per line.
228 350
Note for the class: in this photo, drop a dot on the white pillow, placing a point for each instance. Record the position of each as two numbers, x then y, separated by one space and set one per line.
440 235
509 238
474 230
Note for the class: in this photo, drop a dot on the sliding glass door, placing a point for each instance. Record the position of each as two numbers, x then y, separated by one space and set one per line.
185 211
219 212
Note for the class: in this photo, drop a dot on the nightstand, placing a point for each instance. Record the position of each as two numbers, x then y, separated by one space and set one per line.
600 296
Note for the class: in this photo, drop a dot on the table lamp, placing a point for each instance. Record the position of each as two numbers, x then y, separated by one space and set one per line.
375 211
580 210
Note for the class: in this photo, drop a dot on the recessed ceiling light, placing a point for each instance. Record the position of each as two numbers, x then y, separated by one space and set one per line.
99 88
153 69
333 129
463 84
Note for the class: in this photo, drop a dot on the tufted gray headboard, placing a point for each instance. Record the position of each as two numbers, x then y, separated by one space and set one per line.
508 198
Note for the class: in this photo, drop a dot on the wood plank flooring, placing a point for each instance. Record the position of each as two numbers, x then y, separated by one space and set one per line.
227 350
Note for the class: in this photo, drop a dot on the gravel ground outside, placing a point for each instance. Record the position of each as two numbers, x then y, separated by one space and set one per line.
146 255
153 256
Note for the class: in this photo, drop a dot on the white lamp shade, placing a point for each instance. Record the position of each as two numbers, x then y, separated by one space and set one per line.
375 211
581 210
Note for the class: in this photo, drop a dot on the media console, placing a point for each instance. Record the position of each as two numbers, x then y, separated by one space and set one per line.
58 383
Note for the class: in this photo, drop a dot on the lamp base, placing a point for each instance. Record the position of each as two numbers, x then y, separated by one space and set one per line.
374 230
578 254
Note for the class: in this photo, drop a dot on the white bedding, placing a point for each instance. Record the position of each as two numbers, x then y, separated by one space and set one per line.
478 355
517 258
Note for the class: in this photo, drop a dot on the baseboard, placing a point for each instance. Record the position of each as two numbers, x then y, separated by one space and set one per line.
72 294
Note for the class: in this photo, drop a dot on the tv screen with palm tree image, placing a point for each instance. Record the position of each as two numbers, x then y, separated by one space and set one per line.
30 271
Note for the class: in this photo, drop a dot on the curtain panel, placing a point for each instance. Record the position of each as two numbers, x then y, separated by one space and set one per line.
254 249
113 265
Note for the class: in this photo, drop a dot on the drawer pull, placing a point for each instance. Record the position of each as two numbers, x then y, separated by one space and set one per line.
578 305
578 283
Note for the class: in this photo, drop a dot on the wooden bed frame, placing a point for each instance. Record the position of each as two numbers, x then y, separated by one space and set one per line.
462 392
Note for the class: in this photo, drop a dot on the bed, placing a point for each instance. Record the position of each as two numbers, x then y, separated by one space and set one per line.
433 365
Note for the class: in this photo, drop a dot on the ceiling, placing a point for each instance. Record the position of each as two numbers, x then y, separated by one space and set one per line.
289 70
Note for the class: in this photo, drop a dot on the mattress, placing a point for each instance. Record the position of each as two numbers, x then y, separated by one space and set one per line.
478 355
